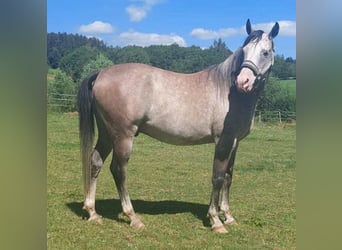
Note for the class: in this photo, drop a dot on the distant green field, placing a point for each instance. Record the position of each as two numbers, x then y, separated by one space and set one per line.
51 74
170 188
290 85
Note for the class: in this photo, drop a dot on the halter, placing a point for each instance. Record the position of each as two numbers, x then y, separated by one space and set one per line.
256 71
251 65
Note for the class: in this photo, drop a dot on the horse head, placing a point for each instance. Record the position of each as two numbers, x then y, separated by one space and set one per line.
258 50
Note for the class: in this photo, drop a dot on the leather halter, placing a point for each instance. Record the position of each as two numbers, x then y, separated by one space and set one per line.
257 73
251 65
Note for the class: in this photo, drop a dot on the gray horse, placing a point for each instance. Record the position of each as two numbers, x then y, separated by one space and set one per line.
215 105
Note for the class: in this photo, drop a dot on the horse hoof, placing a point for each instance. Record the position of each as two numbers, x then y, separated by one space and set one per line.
220 229
96 218
137 224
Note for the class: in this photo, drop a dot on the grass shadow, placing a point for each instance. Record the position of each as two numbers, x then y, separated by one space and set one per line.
111 208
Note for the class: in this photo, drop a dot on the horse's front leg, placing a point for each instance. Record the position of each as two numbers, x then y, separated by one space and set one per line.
224 207
224 150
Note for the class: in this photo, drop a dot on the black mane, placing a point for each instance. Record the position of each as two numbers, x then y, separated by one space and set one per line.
254 35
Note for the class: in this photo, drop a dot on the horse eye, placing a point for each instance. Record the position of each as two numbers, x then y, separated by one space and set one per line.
265 53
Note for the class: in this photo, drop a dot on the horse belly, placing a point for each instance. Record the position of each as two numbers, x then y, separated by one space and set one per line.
180 133
179 121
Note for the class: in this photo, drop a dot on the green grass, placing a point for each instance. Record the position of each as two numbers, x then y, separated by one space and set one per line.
170 189
51 74
290 85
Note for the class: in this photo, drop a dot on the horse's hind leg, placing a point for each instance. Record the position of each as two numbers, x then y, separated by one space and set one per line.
122 152
98 156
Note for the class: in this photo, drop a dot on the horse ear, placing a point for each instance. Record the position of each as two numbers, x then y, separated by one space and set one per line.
275 30
248 27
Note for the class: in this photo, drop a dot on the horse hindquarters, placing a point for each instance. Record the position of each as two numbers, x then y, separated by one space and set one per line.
92 159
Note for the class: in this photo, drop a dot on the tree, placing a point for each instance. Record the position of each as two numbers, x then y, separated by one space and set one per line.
284 68
71 52
100 62
73 63
61 84
220 46
61 91
131 54
217 53
189 60
291 64
276 97
160 56
61 44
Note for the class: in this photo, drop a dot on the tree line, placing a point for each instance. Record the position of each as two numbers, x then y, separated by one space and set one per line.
74 56
70 52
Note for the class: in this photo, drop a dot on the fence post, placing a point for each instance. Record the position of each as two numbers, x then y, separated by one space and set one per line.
279 115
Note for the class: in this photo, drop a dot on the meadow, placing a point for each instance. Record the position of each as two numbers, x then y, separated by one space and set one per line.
290 85
170 188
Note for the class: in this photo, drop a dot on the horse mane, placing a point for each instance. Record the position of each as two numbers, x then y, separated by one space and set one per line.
254 35
223 75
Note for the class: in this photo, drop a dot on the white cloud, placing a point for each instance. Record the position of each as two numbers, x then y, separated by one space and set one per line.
145 39
287 28
137 13
97 27
205 34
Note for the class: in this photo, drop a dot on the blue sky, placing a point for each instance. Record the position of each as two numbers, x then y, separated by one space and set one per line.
186 22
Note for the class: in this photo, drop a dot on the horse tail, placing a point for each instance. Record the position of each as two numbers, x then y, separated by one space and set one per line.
86 126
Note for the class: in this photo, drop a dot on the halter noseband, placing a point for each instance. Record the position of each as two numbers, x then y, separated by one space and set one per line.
257 73
251 65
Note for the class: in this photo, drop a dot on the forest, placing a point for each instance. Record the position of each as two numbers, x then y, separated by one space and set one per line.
72 56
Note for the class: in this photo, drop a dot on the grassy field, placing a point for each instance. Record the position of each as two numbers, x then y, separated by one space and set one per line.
170 189
290 85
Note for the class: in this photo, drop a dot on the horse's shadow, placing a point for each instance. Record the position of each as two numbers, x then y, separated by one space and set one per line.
111 208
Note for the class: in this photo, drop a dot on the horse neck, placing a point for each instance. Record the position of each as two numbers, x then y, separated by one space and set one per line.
222 76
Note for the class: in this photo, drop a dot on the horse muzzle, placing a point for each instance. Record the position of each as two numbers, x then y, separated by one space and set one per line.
248 76
245 80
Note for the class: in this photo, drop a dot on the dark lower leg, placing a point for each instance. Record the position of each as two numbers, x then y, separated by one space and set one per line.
223 154
213 213
224 207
